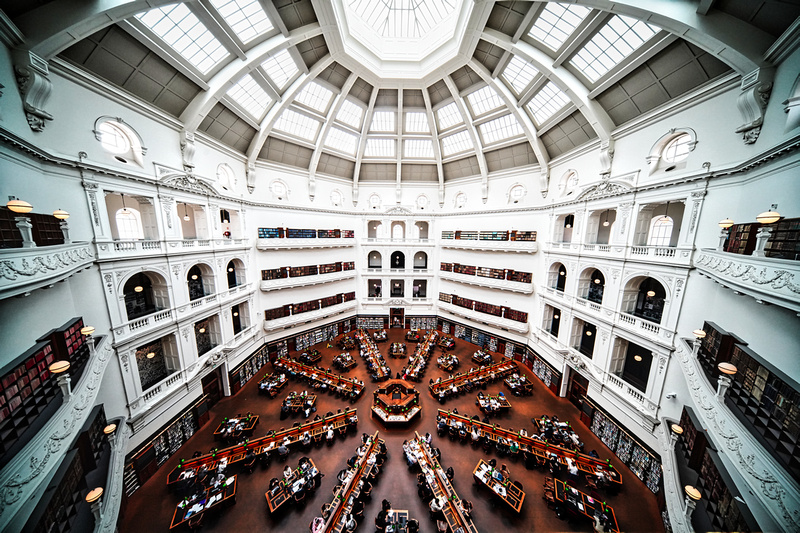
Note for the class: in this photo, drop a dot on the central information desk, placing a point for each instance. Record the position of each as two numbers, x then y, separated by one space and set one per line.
262 445
351 388
507 490
343 499
417 362
441 487
212 498
582 504
396 402
473 378
585 463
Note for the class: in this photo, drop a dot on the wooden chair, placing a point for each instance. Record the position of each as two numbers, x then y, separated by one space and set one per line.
590 481
550 498
195 522
549 484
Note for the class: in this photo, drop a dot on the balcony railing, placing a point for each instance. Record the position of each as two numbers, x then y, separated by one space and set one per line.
299 243
310 316
481 281
671 255
26 269
483 318
386 240
775 281
267 285
145 248
526 247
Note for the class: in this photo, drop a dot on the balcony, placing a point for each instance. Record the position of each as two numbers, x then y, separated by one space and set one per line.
166 317
669 255
398 242
523 247
136 249
481 281
483 318
27 269
645 328
768 280
302 281
631 395
305 318
300 243
401 271
395 301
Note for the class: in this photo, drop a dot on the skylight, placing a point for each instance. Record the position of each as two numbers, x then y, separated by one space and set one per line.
421 148
547 102
382 121
280 68
341 140
297 124
183 31
380 148
449 116
350 114
315 96
500 129
245 17
618 39
403 18
519 73
417 122
484 100
556 22
458 142
250 95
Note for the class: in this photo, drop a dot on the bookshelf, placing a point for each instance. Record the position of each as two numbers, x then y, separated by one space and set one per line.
521 277
465 235
492 273
46 229
784 242
447 298
329 233
349 296
448 235
296 272
56 512
446 267
518 316
742 239
493 236
423 322
292 233
271 233
523 236
248 368
277 312
275 273
489 309
330 268
371 322
331 300
511 314
305 307
716 347
468 270
92 440
718 502
348 265
348 234
463 302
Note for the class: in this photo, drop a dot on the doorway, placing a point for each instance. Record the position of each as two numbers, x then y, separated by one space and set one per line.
211 387
397 317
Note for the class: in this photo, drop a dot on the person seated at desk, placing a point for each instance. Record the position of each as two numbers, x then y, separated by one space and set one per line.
329 435
287 472
436 505
513 447
476 434
306 438
466 507
317 525
504 472
283 451
572 467
441 425
380 520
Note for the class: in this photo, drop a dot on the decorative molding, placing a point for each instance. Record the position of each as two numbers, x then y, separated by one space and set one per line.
187 150
34 86
26 269
768 481
752 102
114 487
185 182
399 211
166 205
33 465
604 189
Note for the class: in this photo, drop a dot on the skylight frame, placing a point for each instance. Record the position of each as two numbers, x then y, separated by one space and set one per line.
377 148
383 121
544 103
418 149
280 67
519 73
249 95
414 120
346 114
298 122
484 101
316 97
610 46
500 129
556 23
456 143
449 116
410 20
246 18
185 34
342 141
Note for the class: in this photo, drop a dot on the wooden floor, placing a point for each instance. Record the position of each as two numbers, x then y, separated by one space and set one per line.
152 506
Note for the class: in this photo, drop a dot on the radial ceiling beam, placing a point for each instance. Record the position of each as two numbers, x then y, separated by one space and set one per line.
362 144
437 150
734 41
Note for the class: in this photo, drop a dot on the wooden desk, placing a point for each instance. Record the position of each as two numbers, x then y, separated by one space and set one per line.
213 498
519 385
344 361
485 403
399 517
482 358
380 336
343 500
507 491
473 377
441 486
347 386
447 343
585 463
234 454
297 402
311 358
413 336
447 362
275 382
582 504
417 362
397 349
244 424
285 490
372 354
396 402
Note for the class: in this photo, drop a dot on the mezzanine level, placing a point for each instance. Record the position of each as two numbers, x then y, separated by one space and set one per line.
136 249
667 255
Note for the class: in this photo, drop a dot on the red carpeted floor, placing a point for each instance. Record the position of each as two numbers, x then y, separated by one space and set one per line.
152 506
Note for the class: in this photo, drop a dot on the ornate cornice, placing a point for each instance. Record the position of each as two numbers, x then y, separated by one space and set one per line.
32 466
112 495
25 269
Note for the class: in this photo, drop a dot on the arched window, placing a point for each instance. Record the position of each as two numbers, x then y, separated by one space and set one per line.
129 224
661 231
516 193
225 177
119 140
671 150
677 149
374 201
461 200
568 183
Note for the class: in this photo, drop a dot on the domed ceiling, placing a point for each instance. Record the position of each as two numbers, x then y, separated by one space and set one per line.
408 91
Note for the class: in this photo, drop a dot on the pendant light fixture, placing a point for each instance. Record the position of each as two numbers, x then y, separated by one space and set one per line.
605 222
770 216
186 213
665 218
125 210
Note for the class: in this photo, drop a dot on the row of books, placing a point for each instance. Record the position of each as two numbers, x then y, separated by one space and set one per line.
293 233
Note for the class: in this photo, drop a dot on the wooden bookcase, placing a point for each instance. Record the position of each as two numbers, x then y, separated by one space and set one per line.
719 503
275 273
523 236
784 242
493 235
10 237
448 235
271 233
716 347
742 239
693 441
329 233
292 233
297 272
277 312
348 265
248 368
522 277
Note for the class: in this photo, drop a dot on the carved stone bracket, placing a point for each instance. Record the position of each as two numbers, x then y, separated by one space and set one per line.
752 102
34 87
250 173
187 150
606 157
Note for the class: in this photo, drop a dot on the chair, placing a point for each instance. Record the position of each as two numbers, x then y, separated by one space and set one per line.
590 481
366 491
300 497
250 465
518 485
549 484
550 498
